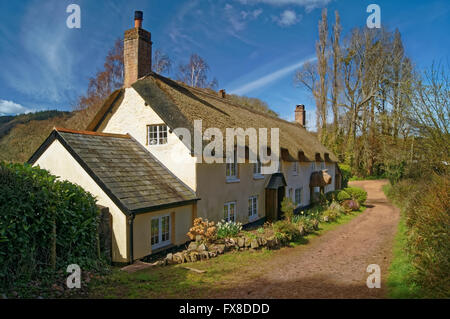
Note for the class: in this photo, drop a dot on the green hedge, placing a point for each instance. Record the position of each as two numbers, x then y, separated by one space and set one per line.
32 204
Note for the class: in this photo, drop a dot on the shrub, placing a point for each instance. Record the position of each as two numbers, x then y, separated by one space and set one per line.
357 193
425 204
287 207
342 196
304 222
228 229
203 228
351 205
346 174
36 211
288 230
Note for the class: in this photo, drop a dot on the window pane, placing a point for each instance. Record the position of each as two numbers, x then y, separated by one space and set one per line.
155 231
232 211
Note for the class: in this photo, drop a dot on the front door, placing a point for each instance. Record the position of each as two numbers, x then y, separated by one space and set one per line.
280 197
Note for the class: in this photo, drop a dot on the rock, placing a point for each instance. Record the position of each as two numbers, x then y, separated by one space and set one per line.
254 244
220 249
204 255
192 246
193 256
169 256
248 242
241 242
212 254
202 247
325 219
178 258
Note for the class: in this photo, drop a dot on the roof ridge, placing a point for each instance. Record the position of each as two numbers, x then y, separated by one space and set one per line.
200 91
66 130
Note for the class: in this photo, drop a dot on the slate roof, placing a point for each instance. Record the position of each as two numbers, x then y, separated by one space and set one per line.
276 181
126 171
179 105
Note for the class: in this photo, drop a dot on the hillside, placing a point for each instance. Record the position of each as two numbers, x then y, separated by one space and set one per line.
21 135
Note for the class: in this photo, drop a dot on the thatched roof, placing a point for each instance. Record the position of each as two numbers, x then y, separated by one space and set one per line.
179 105
320 179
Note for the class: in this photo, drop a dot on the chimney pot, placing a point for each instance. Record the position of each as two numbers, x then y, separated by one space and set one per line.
300 115
222 93
138 17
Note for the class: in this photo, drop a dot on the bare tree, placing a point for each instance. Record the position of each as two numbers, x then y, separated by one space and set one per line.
322 70
161 62
195 73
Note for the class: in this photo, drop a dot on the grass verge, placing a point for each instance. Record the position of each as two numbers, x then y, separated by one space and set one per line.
401 271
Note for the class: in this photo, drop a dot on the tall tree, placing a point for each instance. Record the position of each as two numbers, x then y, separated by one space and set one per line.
322 71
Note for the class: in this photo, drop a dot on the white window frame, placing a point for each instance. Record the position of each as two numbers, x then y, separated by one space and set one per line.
295 168
161 242
228 207
160 138
300 190
229 167
253 207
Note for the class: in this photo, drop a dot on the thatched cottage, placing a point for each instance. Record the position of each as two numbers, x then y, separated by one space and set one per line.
126 159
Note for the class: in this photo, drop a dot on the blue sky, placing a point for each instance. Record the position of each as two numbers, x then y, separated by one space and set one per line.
253 47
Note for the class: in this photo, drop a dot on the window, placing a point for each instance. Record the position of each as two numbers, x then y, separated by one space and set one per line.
253 207
313 166
298 196
156 134
295 168
257 170
160 231
229 211
232 168
290 194
322 165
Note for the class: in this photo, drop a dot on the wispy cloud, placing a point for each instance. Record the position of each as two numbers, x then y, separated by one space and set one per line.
287 18
269 78
46 60
10 108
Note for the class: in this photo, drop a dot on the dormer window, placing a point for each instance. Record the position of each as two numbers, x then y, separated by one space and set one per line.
156 134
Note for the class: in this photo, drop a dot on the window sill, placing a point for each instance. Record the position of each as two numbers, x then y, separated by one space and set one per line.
252 219
232 180
161 247
258 176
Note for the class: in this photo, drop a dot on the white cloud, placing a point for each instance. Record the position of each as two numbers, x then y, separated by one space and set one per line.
270 78
239 20
9 108
287 18
307 4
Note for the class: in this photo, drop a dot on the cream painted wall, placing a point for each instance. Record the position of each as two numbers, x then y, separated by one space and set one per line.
214 191
302 178
142 229
59 162
132 116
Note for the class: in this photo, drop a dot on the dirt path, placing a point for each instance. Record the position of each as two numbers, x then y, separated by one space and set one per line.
334 264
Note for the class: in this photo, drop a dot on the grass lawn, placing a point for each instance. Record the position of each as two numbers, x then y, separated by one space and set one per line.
174 281
399 282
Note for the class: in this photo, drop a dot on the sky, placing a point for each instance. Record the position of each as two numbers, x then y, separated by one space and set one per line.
253 47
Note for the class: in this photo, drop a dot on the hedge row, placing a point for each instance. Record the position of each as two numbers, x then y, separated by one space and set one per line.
34 208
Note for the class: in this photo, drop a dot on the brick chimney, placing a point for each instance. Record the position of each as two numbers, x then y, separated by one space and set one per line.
222 93
300 115
137 51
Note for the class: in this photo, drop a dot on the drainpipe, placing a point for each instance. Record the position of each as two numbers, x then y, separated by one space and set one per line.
131 223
